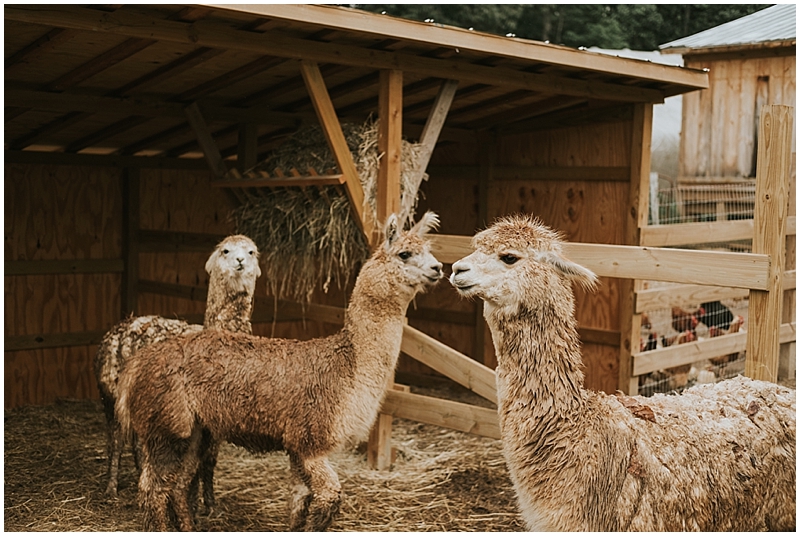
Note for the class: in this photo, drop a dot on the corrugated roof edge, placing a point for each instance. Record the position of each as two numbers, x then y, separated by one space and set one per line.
776 23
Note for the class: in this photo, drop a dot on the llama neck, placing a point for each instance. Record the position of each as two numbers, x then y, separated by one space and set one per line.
539 372
229 311
375 318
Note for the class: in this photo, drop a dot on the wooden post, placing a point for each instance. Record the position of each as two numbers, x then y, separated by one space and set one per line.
130 240
390 143
769 221
379 445
636 218
788 355
390 147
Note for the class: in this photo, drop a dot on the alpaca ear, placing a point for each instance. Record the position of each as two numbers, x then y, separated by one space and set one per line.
212 260
428 222
390 230
572 271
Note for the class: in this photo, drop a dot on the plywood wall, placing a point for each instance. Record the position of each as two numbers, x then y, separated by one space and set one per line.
720 124
587 210
58 213
73 212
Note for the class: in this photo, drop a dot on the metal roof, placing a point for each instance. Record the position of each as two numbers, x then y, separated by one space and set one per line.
776 23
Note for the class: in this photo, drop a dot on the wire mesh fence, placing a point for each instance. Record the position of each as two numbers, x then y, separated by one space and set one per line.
676 203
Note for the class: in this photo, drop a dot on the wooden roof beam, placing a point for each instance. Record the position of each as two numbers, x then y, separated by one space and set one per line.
96 65
206 140
45 43
337 143
219 35
171 69
68 102
106 133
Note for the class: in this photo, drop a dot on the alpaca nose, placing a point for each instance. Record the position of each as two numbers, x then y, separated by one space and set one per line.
459 268
437 268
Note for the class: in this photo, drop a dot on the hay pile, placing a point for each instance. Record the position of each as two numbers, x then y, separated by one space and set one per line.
442 480
308 237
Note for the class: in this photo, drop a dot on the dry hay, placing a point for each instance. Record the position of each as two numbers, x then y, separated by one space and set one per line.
442 480
308 237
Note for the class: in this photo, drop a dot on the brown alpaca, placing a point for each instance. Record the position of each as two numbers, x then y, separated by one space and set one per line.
307 398
719 457
233 269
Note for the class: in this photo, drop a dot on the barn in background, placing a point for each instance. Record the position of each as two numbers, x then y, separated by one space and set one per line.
751 62
121 121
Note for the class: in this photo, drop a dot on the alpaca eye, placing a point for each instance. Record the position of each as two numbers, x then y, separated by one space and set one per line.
404 255
225 252
509 259
252 253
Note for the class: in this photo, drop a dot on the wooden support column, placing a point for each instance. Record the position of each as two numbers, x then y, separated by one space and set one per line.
787 362
636 218
769 220
329 122
390 147
390 143
130 240
380 453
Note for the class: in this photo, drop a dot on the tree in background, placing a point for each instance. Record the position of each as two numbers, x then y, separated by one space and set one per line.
634 26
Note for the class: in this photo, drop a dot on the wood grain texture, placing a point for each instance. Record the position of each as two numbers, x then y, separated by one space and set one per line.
772 189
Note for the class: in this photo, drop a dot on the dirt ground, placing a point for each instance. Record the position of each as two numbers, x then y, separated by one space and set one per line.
442 480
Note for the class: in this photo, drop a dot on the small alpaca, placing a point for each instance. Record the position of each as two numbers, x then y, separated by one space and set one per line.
233 269
719 457
307 398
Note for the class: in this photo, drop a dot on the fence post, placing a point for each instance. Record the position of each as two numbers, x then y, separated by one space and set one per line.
769 220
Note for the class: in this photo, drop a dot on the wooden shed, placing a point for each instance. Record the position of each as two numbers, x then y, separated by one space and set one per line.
121 121
751 62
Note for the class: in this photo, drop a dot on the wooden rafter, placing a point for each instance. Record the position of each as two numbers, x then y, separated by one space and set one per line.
171 69
206 140
68 102
219 35
100 63
45 43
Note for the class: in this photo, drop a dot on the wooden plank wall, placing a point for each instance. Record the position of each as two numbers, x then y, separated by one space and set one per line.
58 213
74 213
582 192
720 123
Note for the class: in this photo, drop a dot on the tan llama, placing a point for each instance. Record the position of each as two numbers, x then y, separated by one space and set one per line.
719 457
307 398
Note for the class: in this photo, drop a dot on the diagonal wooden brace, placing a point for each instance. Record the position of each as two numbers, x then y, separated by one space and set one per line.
337 143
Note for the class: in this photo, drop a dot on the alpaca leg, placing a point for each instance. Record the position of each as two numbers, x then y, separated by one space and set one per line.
326 493
209 449
115 444
185 475
114 441
153 500
300 495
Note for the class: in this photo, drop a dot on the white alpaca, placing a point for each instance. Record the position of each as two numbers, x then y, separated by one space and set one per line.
305 397
233 269
719 457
